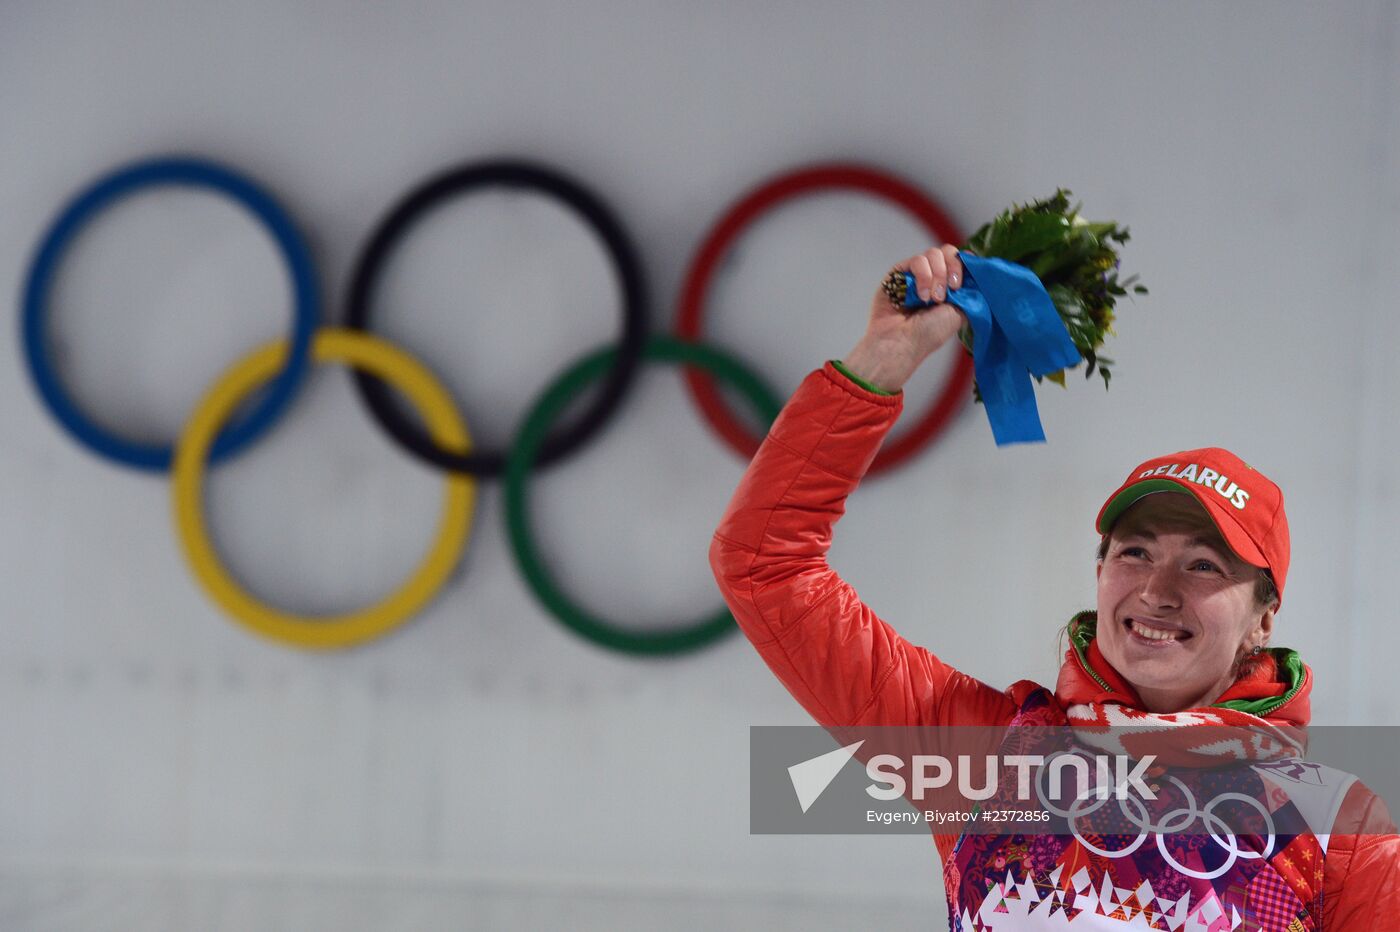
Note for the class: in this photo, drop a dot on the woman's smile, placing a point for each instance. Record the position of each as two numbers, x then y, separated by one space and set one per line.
1155 634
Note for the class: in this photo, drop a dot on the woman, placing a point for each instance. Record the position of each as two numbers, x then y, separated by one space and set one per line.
1190 574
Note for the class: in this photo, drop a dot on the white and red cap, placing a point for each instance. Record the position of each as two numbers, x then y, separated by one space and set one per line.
1246 506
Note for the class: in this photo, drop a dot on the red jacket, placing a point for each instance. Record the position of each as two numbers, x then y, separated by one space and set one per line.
847 667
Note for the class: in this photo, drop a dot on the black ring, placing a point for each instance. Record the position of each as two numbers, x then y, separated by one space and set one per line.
591 209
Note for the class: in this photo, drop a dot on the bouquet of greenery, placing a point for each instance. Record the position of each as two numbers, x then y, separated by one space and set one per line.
1075 259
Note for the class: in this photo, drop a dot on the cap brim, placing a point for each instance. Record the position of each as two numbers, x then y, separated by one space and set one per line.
1220 516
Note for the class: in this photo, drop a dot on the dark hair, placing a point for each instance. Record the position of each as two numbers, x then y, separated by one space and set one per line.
1265 592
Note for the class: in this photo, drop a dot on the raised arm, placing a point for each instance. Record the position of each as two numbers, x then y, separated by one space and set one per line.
834 654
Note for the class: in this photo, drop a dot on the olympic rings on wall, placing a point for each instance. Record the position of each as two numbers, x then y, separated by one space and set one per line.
590 209
282 365
523 455
86 205
445 425
765 197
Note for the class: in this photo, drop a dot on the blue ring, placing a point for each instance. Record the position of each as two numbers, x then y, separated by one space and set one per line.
102 193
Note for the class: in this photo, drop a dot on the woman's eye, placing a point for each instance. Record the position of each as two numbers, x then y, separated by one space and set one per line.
1204 565
1133 552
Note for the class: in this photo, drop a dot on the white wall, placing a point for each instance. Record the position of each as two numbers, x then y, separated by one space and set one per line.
482 768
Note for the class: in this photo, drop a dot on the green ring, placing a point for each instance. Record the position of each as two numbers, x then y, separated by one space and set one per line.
551 404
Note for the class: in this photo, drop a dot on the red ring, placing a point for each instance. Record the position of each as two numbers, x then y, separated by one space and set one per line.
763 198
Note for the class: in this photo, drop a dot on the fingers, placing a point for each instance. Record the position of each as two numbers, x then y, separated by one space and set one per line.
930 275
938 289
955 267
923 275
936 271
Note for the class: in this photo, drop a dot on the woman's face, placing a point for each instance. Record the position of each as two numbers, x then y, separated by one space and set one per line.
1176 606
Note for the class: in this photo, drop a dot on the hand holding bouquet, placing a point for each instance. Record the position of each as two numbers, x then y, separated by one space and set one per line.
1075 259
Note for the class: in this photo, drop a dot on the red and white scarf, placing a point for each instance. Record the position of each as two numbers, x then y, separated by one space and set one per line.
1112 719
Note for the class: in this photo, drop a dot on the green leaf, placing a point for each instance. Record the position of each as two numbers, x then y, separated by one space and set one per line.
1015 239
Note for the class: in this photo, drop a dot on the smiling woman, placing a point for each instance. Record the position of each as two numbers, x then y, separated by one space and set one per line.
1186 611
1175 661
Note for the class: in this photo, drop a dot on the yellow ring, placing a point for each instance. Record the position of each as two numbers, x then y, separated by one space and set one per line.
445 426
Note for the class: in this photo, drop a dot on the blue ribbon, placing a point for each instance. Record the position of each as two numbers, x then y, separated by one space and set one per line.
1016 333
